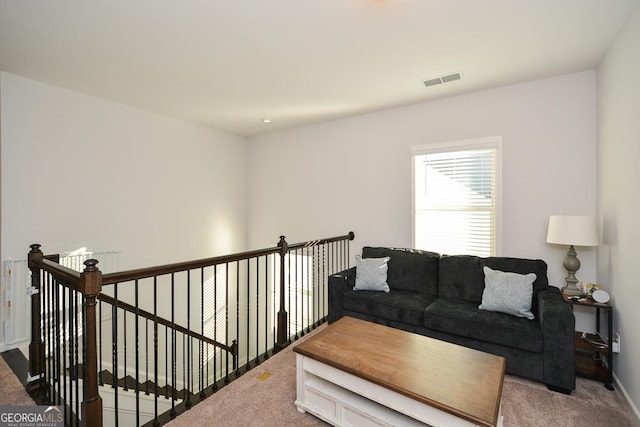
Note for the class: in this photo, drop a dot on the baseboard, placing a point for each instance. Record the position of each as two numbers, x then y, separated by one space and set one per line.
626 395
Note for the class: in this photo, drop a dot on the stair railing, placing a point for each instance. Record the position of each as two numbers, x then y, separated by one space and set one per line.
175 333
62 326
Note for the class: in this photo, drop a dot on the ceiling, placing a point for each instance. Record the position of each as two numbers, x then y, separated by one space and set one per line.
230 64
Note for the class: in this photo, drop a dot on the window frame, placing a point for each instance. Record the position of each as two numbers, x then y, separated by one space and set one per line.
494 142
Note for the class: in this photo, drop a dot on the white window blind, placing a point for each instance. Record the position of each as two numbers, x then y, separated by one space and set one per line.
455 203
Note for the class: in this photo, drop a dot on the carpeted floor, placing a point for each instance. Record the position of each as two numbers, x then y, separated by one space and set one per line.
264 397
12 392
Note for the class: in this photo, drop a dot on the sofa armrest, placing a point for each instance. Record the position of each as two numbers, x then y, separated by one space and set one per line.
558 326
338 284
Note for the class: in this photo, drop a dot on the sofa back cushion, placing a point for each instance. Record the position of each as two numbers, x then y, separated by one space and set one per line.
409 269
462 278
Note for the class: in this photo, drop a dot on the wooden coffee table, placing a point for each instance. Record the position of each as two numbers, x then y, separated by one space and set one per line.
359 373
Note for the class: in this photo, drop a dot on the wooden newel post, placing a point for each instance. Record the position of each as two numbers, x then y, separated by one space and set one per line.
35 378
282 339
91 286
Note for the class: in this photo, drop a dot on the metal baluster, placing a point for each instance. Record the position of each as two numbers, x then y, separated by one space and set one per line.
173 349
296 292
201 360
137 351
288 337
323 278
47 327
316 282
311 311
226 315
124 339
76 358
114 351
100 379
275 283
166 362
146 357
156 421
184 371
55 309
237 309
248 312
215 327
63 381
189 383
266 307
257 310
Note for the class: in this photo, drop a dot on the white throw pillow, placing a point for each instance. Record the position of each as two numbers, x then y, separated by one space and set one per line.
508 292
371 274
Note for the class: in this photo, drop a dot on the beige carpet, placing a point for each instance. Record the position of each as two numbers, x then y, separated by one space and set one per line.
265 396
12 392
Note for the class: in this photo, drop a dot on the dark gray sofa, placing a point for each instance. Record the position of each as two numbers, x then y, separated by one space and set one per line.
438 296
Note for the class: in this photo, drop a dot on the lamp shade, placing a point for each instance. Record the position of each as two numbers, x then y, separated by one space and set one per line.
573 230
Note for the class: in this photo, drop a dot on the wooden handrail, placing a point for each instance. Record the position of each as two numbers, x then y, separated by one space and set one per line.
65 274
144 273
310 243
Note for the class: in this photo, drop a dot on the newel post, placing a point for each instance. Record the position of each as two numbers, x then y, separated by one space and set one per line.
91 286
282 338
36 347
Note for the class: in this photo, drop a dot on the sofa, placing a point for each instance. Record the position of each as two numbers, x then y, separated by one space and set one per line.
444 297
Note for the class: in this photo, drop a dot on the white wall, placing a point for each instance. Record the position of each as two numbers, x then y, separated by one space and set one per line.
354 174
618 189
80 171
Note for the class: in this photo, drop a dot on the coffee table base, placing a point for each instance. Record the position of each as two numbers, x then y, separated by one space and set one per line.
342 399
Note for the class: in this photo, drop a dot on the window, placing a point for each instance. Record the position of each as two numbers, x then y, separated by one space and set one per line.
455 203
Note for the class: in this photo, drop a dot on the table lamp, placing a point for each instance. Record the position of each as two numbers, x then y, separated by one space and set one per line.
573 231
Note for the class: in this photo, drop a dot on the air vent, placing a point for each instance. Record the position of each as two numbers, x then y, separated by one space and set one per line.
451 77
443 79
433 82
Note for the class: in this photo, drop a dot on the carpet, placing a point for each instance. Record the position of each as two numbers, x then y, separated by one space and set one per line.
12 392
264 397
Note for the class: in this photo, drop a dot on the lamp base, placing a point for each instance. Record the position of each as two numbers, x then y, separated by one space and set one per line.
571 290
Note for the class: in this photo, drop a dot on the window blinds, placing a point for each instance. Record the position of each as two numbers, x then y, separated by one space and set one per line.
455 201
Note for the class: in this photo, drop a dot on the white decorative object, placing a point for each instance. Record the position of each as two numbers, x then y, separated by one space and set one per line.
600 296
583 287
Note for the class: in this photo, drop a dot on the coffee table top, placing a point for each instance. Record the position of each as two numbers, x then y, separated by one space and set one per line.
464 382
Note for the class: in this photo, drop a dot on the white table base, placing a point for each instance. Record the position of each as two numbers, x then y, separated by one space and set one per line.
342 399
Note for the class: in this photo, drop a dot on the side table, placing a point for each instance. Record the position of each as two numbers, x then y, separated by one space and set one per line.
594 353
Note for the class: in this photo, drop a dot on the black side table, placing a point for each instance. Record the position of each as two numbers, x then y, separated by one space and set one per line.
594 353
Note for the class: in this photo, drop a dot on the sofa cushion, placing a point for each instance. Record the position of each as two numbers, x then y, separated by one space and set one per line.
397 305
371 274
409 269
508 292
465 319
461 276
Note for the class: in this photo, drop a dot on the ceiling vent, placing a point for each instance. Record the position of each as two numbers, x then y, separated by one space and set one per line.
443 79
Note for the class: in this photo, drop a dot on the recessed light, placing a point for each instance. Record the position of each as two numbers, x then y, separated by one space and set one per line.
266 120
